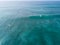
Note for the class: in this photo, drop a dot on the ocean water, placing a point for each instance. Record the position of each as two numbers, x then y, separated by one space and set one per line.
29 8
30 23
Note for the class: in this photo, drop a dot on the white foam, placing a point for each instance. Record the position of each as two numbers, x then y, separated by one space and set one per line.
40 15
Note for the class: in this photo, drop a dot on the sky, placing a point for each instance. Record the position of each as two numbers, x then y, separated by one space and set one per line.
29 0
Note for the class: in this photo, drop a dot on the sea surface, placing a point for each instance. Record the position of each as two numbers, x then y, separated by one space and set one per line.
30 23
28 8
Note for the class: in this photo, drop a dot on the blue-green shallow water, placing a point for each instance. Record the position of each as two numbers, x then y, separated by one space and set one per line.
35 27
33 30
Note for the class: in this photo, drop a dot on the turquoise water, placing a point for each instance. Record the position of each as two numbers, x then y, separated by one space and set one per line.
30 23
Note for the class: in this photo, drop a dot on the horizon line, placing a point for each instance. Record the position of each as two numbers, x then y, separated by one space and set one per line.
27 0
